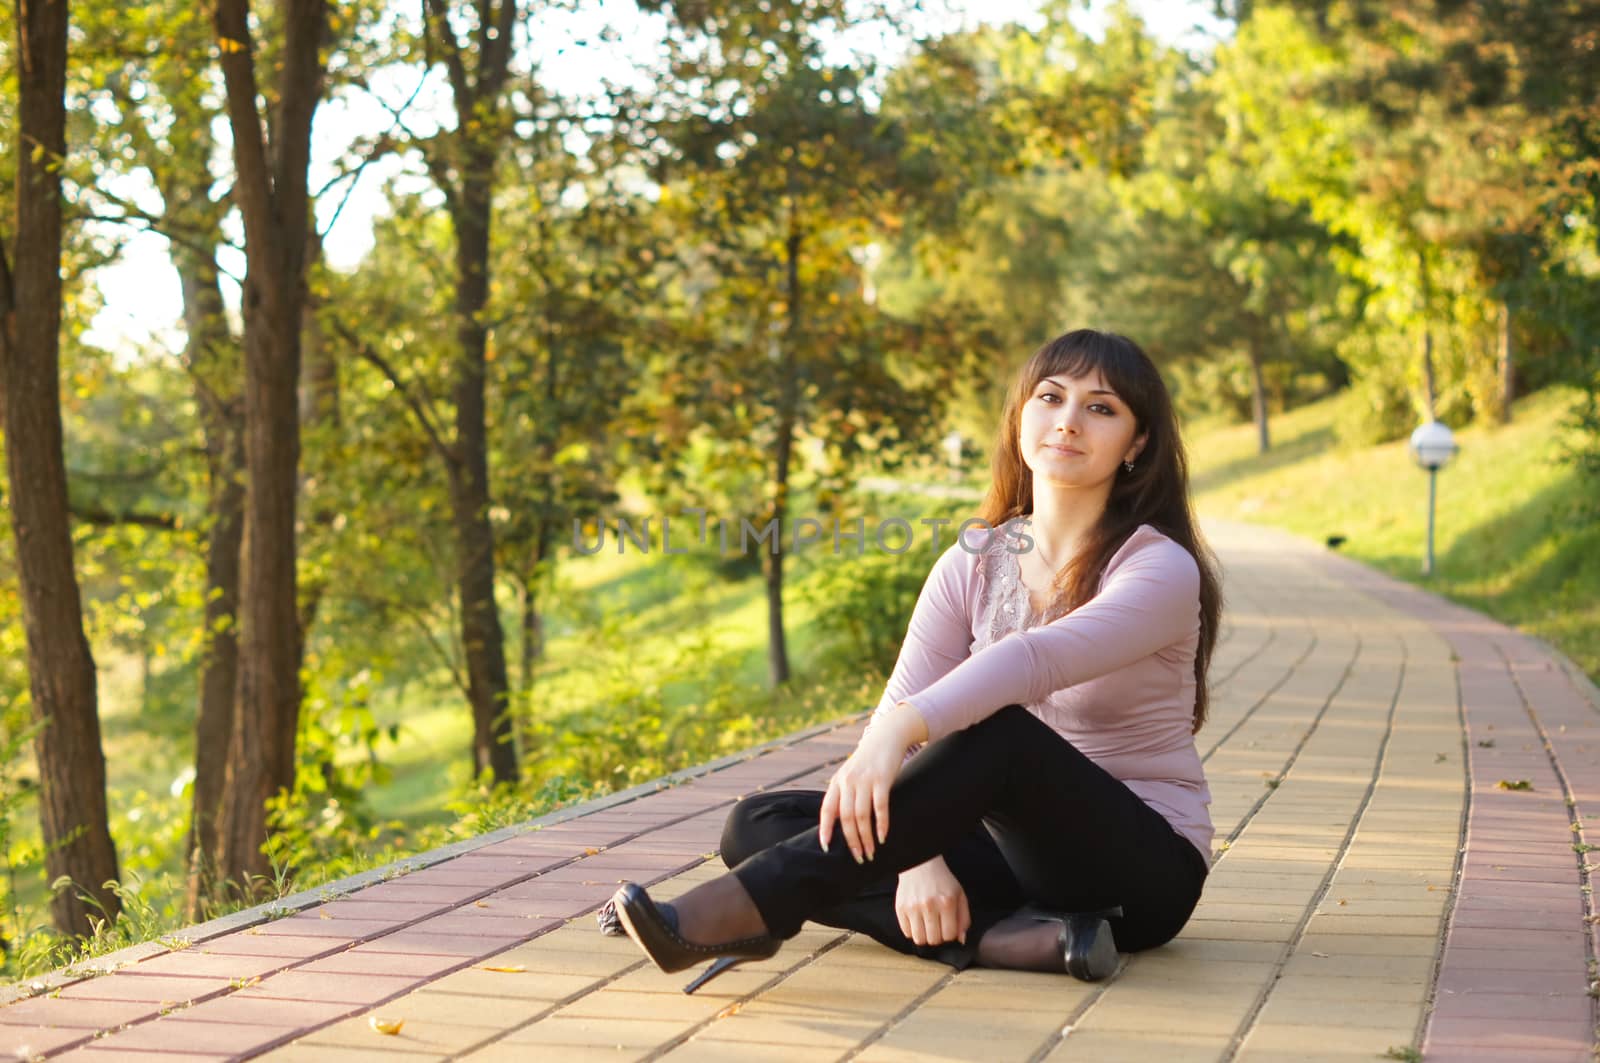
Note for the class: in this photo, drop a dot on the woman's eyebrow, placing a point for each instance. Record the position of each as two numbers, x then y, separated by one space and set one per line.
1096 391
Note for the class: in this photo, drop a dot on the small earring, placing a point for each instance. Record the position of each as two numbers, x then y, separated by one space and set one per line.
1127 466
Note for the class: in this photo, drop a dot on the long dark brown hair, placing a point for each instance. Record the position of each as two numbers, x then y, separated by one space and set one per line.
1156 492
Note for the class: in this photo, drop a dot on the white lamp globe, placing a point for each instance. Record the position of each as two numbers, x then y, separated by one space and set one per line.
1432 445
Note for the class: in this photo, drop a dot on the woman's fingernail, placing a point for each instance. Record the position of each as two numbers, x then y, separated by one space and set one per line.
857 856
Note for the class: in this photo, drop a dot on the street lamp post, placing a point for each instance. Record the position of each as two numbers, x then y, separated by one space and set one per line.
1431 446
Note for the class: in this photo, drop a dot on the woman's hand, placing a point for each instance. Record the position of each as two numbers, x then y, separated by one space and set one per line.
931 905
858 793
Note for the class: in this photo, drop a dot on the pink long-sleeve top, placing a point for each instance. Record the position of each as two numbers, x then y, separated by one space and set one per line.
1115 676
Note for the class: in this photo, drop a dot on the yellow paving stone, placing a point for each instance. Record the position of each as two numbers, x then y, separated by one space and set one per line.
414 1036
1128 1046
523 985
1326 987
503 1052
1271 1044
1420 907
566 961
699 1050
1338 1011
954 1033
1368 945
1416 969
1258 913
729 984
1230 893
1143 969
828 973
787 1001
1209 950
299 1052
1239 930
453 1009
832 1032
1341 922
672 1007
1194 1018
1041 994
597 1033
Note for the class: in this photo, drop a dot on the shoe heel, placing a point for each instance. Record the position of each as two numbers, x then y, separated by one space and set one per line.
715 969
1088 947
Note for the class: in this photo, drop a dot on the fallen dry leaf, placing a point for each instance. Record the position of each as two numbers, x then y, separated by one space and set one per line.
509 968
1517 784
324 915
591 851
1320 955
731 1009
480 904
387 1027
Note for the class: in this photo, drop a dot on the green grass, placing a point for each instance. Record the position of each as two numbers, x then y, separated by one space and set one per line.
1512 538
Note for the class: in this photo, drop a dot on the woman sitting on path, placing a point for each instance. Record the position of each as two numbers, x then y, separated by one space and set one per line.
1028 793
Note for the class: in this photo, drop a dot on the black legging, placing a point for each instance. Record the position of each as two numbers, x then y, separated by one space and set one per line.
1019 815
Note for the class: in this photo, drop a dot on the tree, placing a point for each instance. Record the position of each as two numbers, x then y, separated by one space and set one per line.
776 170
271 156
72 805
463 163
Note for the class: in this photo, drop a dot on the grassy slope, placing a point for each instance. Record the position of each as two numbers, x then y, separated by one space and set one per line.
1511 538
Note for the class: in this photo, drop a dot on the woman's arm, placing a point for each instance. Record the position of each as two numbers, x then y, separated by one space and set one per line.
939 636
1151 600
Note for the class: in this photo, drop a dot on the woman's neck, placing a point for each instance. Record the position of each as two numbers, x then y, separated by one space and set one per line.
1064 519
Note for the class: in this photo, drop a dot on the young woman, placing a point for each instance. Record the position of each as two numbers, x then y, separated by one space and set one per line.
1027 793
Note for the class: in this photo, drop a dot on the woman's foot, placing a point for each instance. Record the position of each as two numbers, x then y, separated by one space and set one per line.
1078 943
706 927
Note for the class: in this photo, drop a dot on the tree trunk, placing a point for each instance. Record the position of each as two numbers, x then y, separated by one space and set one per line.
482 637
1430 393
1508 382
271 191
1258 396
319 422
777 642
72 769
470 197
213 359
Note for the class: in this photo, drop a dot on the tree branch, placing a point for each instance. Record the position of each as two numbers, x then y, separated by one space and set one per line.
105 518
418 408
436 19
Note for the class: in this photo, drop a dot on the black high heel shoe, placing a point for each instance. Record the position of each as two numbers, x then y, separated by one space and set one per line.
654 928
1088 950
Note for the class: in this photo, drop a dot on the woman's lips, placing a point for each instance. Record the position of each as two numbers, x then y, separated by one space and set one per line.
1061 449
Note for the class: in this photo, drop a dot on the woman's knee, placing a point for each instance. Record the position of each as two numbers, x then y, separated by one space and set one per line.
761 821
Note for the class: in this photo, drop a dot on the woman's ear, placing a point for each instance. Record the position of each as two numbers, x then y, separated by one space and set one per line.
1137 447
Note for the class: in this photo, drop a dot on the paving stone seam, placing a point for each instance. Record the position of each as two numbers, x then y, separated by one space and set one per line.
733 1008
1585 882
1448 619
898 1017
555 1006
1288 673
1294 755
1458 872
1247 1023
1272 634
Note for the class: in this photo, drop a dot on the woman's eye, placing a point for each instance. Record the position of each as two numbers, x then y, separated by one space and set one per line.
1103 408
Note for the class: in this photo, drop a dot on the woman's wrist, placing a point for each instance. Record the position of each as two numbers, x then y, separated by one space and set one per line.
905 721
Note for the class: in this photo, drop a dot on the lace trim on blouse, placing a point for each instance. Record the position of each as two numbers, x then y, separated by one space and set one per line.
1006 602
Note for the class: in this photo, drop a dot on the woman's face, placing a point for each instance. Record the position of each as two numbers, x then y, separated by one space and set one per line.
1076 431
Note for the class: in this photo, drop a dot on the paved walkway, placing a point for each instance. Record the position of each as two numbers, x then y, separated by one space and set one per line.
1399 795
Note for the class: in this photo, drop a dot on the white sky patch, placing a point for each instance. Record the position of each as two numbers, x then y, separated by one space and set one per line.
143 309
